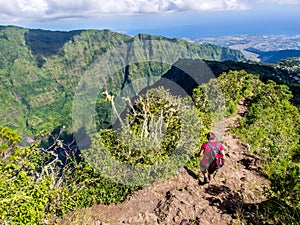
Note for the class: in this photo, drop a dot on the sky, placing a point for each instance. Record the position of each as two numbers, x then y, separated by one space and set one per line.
171 18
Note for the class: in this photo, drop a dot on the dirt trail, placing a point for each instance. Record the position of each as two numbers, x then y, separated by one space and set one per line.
236 185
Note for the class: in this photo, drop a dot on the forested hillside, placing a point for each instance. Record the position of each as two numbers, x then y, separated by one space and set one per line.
40 70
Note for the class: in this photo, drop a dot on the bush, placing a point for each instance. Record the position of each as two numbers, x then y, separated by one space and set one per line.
271 127
36 183
156 138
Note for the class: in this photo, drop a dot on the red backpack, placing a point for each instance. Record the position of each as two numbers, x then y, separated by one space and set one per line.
218 160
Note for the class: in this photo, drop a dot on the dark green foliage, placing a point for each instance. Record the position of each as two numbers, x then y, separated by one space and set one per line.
291 64
292 67
188 74
264 71
46 43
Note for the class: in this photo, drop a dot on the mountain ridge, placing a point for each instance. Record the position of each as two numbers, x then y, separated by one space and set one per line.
40 70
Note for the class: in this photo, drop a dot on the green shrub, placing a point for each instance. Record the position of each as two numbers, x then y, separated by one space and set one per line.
156 138
36 185
271 127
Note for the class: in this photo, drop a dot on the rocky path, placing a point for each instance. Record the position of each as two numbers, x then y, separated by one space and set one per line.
230 199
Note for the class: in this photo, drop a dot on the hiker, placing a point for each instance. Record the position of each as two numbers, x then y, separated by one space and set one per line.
207 165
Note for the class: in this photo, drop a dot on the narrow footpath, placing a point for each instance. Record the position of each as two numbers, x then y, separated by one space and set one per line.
230 199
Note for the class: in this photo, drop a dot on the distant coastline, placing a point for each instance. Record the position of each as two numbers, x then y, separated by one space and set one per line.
265 48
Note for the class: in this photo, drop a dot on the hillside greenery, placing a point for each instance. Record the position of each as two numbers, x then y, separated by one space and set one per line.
51 177
39 73
265 72
40 70
270 128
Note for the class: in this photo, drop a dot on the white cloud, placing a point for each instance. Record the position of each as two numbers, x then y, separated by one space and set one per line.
284 2
32 6
217 5
50 9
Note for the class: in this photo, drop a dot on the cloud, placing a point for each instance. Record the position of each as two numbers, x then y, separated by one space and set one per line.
36 10
283 2
217 5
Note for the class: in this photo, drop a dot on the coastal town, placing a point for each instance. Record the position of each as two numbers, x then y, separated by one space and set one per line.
254 46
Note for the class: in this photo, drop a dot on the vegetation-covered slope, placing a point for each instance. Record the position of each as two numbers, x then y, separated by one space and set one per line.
281 75
40 70
37 183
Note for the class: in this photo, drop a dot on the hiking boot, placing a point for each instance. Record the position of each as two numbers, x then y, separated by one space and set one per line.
206 180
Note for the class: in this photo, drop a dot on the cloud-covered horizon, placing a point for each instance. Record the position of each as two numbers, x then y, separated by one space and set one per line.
39 10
